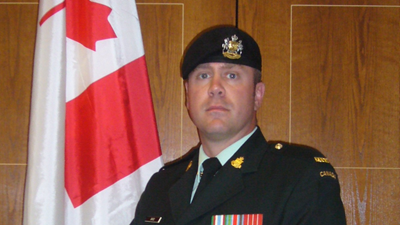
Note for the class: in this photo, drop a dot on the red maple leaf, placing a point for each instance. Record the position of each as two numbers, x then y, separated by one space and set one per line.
86 21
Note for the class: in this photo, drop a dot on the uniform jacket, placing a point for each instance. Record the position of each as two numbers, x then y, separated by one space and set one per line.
286 184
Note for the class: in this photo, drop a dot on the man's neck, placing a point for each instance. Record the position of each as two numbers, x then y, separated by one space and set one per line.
213 146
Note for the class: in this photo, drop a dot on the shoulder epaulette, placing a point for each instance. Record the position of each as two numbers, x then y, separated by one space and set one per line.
305 153
183 159
298 151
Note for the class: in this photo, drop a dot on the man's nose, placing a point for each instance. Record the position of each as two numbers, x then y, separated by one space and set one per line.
216 87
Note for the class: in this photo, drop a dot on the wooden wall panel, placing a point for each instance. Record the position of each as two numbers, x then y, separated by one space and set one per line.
332 76
269 22
17 33
345 101
163 46
19 2
17 38
370 196
345 83
12 181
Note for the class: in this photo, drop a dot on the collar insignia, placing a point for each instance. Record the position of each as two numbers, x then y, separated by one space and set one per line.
190 165
237 163
232 48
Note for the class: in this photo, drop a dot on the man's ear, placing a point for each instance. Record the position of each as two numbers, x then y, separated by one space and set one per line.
258 95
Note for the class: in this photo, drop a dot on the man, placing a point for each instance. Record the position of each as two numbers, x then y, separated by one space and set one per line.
255 182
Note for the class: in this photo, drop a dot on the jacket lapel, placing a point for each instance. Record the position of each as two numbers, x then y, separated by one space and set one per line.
227 183
181 192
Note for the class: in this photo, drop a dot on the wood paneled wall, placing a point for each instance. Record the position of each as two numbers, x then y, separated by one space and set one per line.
17 38
331 71
332 77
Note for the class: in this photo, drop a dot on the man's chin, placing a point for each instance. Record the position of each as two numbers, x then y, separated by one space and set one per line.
215 130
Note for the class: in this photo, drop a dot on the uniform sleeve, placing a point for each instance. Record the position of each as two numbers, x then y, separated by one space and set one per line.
316 198
144 201
329 209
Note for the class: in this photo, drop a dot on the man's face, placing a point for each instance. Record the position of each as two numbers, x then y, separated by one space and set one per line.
222 100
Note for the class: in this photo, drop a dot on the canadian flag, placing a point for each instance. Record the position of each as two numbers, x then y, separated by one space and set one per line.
93 140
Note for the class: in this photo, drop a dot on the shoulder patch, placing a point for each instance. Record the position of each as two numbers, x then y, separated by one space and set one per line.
327 174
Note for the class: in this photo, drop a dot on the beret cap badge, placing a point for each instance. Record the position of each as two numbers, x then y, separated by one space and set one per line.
232 47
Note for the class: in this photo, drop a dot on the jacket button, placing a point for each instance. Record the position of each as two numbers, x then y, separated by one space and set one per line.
278 146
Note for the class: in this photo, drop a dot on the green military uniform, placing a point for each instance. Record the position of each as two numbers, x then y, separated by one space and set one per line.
283 183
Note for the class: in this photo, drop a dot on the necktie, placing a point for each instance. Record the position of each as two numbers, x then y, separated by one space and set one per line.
210 167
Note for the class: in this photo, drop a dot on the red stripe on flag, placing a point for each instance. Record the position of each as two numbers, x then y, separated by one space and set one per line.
110 132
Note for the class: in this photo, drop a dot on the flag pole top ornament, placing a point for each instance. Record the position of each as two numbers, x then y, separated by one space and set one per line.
232 48
238 47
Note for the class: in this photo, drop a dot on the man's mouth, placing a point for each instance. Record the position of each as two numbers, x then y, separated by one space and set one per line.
216 108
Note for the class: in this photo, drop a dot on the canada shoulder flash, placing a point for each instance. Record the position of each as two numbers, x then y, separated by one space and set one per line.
327 174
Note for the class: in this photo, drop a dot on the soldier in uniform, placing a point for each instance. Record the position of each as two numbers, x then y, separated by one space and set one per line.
235 176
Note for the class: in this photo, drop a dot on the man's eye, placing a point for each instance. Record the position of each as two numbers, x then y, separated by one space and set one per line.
203 76
232 75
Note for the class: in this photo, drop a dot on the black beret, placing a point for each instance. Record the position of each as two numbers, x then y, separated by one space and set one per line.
221 44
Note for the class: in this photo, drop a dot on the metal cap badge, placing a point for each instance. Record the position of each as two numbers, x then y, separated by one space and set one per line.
232 48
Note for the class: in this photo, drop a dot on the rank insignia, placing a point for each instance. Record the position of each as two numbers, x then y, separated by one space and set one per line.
237 163
327 173
232 48
321 160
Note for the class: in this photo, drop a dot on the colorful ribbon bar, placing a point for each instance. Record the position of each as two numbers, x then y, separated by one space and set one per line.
237 219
